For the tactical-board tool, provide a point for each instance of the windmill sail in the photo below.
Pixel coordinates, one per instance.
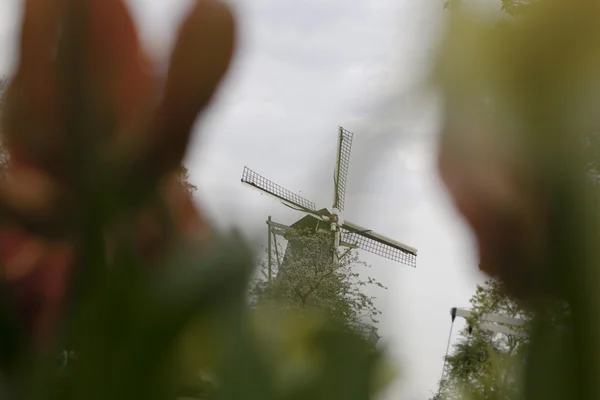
(341, 167)
(367, 240)
(263, 184)
(347, 234)
(492, 322)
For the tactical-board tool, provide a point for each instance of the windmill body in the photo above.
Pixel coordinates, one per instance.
(495, 323)
(344, 234)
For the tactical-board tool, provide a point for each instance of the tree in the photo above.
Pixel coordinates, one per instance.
(517, 7)
(484, 364)
(305, 286)
(488, 365)
(307, 279)
(511, 7)
(184, 177)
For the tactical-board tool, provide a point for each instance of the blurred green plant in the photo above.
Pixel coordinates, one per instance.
(520, 175)
(106, 262)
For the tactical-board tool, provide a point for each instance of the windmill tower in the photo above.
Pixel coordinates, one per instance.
(343, 233)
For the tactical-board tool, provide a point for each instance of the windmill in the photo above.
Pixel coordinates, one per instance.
(492, 322)
(344, 233)
(488, 322)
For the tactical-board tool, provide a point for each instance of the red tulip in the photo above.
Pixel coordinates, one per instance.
(491, 190)
(129, 119)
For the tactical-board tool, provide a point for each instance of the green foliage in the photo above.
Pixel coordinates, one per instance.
(306, 278)
(511, 7)
(127, 333)
(176, 325)
(534, 216)
(517, 7)
(484, 364)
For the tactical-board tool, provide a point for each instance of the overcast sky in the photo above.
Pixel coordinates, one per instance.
(303, 68)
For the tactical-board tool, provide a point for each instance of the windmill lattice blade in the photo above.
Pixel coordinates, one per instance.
(379, 245)
(501, 329)
(496, 318)
(251, 178)
(490, 322)
(343, 163)
(381, 249)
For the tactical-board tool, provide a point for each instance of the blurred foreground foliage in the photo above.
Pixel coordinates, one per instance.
(188, 332)
(519, 155)
(114, 285)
